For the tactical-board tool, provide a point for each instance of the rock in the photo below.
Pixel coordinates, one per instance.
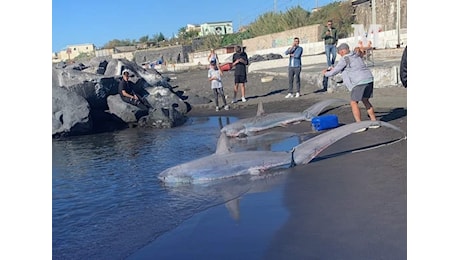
(266, 79)
(70, 114)
(80, 91)
(126, 112)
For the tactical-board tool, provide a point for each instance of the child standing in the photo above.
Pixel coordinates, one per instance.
(215, 76)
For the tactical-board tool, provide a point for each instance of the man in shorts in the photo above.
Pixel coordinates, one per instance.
(240, 60)
(359, 80)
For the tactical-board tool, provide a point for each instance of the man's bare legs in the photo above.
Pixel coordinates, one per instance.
(357, 113)
(355, 110)
(369, 108)
(235, 91)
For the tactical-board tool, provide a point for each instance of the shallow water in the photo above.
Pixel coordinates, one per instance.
(107, 200)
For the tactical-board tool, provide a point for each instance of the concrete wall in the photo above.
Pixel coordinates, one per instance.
(386, 14)
(306, 34)
(170, 54)
(123, 55)
(312, 51)
(201, 57)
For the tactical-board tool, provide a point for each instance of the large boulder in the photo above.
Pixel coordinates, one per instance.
(71, 113)
(163, 118)
(157, 117)
(126, 112)
(100, 93)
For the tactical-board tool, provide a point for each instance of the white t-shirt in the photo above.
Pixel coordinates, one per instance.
(215, 83)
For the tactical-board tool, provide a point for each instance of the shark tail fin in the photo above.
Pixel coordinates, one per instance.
(260, 109)
(223, 146)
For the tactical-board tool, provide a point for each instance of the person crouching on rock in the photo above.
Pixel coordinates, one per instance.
(127, 94)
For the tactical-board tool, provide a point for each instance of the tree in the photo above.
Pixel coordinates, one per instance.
(271, 22)
(144, 38)
(184, 37)
(158, 37)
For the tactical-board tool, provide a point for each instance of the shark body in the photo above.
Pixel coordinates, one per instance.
(263, 121)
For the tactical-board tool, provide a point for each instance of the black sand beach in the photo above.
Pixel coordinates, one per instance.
(348, 203)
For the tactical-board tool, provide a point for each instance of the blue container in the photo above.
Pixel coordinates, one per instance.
(324, 122)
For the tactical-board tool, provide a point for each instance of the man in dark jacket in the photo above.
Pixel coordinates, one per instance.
(330, 42)
(403, 68)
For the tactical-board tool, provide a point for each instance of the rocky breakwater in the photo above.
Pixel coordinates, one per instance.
(85, 98)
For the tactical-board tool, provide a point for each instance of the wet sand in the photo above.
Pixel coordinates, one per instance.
(348, 203)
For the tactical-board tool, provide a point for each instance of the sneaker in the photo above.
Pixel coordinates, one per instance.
(297, 94)
(234, 101)
(217, 108)
(243, 99)
(360, 130)
(288, 95)
(226, 107)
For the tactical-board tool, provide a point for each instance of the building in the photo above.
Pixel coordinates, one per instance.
(72, 51)
(219, 28)
(193, 28)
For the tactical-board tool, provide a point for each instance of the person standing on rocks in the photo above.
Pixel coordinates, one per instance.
(215, 76)
(295, 67)
(240, 60)
(358, 79)
(128, 95)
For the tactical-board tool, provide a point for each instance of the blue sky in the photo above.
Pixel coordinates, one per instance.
(98, 22)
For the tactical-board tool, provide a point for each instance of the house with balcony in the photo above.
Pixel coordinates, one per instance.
(219, 28)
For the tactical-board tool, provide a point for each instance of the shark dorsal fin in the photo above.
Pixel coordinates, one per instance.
(260, 109)
(223, 147)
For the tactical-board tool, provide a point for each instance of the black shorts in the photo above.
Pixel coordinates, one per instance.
(240, 79)
(362, 91)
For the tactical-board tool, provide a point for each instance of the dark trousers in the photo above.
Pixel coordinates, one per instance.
(325, 82)
(140, 102)
(294, 72)
(219, 92)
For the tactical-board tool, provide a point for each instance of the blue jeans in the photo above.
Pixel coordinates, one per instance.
(331, 50)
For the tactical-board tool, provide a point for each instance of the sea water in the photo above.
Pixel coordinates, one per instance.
(107, 200)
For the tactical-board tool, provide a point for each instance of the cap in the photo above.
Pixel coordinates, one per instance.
(125, 71)
(343, 46)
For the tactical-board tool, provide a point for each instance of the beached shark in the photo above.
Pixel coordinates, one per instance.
(225, 164)
(265, 141)
(264, 121)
